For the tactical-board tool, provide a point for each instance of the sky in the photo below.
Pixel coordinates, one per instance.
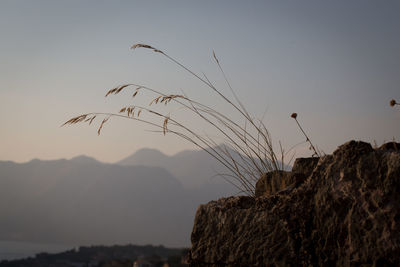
(335, 63)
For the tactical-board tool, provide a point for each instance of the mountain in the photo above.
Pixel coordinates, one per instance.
(145, 156)
(193, 168)
(147, 198)
(83, 201)
(85, 159)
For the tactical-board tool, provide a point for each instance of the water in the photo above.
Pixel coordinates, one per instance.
(12, 250)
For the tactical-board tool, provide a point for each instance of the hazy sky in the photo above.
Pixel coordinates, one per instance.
(335, 63)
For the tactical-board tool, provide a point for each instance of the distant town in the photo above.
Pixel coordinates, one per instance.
(107, 256)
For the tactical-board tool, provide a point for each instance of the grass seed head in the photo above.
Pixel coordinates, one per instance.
(141, 46)
(101, 125)
(252, 143)
(146, 46)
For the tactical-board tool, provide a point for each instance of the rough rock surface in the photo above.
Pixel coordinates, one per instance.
(282, 181)
(345, 213)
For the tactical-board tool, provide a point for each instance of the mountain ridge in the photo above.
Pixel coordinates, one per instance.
(76, 201)
(192, 167)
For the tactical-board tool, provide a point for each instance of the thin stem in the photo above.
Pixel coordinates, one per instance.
(307, 139)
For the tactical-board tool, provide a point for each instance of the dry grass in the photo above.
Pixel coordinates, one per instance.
(317, 153)
(247, 151)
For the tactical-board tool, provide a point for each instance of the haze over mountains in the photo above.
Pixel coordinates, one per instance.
(147, 198)
(192, 168)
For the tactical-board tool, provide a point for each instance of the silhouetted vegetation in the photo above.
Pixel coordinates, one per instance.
(393, 103)
(312, 147)
(104, 256)
(247, 149)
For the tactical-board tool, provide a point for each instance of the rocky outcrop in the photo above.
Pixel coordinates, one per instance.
(340, 210)
(282, 181)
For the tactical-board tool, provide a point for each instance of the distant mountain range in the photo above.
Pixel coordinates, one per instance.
(147, 198)
(192, 168)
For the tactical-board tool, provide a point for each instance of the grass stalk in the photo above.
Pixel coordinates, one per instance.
(247, 151)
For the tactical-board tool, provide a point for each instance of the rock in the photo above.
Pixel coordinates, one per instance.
(390, 146)
(346, 212)
(273, 182)
(283, 182)
(305, 165)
